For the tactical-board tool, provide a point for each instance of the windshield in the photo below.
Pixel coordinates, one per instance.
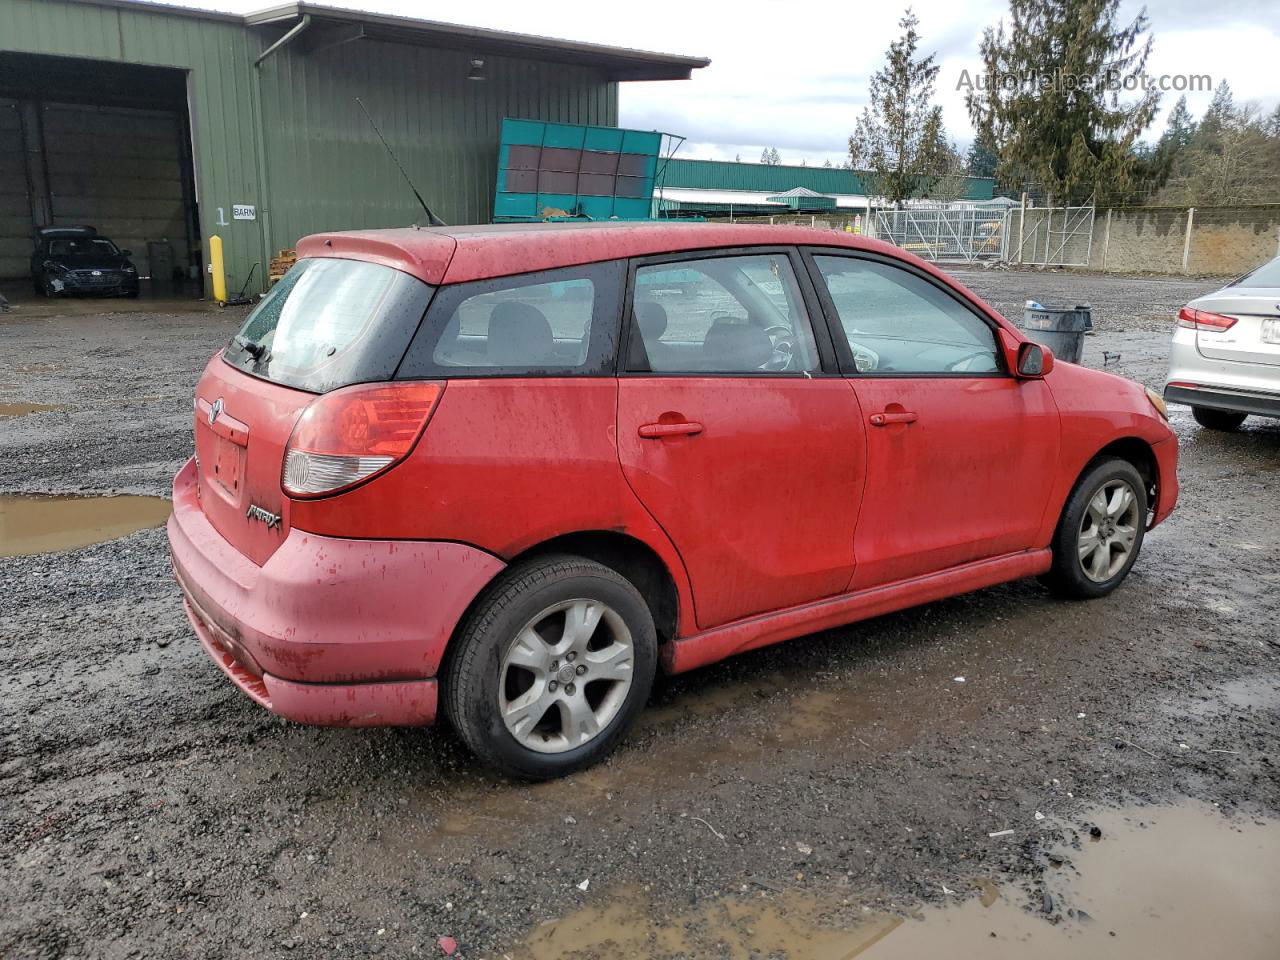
(330, 323)
(1267, 275)
(99, 247)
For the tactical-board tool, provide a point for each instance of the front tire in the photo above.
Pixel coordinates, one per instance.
(1218, 419)
(551, 667)
(1100, 533)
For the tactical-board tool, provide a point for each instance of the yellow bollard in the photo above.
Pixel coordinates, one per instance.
(218, 269)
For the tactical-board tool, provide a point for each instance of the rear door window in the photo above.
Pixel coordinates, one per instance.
(330, 323)
(551, 323)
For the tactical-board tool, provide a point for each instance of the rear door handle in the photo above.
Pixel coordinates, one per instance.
(884, 419)
(656, 431)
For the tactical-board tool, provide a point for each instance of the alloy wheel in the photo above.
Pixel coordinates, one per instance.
(1108, 531)
(566, 675)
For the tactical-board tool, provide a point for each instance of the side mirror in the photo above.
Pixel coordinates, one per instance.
(126, 253)
(1034, 361)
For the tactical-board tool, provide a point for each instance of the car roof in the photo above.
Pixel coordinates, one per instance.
(76, 233)
(459, 254)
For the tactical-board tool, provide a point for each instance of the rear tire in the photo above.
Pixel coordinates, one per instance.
(551, 667)
(1218, 419)
(1100, 533)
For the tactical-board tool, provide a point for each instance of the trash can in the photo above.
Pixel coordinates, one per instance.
(1061, 330)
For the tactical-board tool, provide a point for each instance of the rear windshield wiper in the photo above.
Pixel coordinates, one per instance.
(251, 347)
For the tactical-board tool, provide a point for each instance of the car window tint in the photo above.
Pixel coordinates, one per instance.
(532, 325)
(330, 322)
(555, 322)
(721, 315)
(897, 322)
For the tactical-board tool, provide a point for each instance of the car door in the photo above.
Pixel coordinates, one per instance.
(961, 455)
(737, 432)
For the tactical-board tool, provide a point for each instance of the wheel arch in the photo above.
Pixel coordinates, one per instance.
(624, 553)
(1138, 452)
(1130, 448)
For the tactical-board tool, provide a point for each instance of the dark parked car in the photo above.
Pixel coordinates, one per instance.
(76, 260)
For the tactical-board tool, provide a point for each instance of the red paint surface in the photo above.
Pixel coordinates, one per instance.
(241, 453)
(689, 653)
(403, 703)
(762, 501)
(778, 505)
(968, 479)
(324, 610)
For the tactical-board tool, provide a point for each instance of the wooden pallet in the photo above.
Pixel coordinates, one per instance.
(280, 264)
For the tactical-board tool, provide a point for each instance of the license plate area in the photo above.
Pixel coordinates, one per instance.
(1271, 330)
(228, 465)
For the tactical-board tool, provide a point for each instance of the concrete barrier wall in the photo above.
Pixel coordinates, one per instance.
(1223, 241)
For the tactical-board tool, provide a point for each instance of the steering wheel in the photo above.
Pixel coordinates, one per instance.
(958, 365)
(784, 348)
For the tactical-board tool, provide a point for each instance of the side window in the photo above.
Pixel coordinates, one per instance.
(896, 322)
(555, 322)
(739, 314)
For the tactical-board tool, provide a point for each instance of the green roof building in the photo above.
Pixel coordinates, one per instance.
(718, 188)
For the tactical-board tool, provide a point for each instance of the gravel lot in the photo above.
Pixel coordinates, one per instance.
(149, 809)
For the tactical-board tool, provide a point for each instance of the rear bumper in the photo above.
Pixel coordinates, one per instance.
(1236, 401)
(328, 631)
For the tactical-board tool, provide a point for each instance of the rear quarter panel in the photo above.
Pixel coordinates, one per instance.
(504, 465)
(1097, 409)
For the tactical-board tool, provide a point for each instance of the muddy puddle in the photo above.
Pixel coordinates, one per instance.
(10, 411)
(46, 524)
(1170, 882)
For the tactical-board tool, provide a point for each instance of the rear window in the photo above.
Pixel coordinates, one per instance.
(1267, 275)
(551, 323)
(330, 323)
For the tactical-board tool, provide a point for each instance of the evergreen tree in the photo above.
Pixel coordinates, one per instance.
(899, 138)
(1049, 99)
(1169, 156)
(982, 159)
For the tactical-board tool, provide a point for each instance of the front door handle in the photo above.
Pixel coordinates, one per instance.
(656, 431)
(897, 416)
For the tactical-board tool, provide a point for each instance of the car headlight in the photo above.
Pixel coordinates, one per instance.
(129, 268)
(1157, 401)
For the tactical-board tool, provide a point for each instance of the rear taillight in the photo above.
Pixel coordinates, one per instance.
(346, 437)
(1203, 320)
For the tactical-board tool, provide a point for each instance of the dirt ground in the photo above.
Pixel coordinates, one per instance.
(765, 807)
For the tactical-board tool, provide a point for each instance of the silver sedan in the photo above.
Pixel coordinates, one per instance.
(1225, 361)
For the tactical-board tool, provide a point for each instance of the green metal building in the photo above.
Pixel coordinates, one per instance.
(162, 126)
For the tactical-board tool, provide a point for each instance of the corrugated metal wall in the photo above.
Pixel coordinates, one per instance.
(326, 168)
(15, 207)
(319, 165)
(119, 170)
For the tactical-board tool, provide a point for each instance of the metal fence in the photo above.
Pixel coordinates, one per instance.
(1050, 236)
(942, 234)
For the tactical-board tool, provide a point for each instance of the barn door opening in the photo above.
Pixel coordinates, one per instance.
(104, 145)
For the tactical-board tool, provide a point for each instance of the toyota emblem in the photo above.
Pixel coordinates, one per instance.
(215, 411)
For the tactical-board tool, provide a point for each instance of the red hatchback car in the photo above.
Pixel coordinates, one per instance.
(518, 469)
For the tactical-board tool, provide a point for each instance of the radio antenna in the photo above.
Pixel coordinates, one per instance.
(432, 219)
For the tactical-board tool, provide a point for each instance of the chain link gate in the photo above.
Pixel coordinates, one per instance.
(942, 234)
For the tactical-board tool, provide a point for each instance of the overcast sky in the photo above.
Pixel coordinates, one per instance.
(794, 75)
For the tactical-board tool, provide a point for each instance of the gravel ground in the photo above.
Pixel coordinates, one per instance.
(149, 809)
